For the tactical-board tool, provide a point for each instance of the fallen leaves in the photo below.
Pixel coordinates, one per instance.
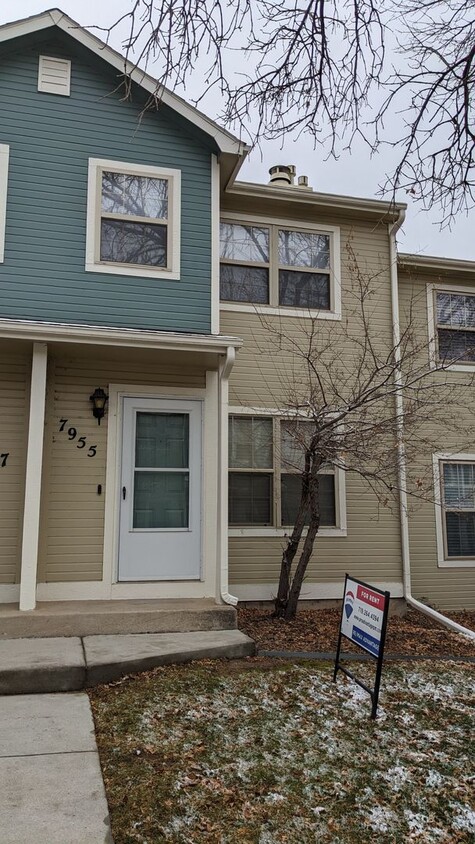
(316, 630)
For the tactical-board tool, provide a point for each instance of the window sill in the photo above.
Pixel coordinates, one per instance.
(281, 532)
(245, 307)
(462, 563)
(139, 272)
(454, 367)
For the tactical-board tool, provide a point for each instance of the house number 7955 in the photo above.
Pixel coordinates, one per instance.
(73, 435)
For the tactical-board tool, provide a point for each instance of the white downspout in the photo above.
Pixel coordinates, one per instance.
(224, 373)
(402, 469)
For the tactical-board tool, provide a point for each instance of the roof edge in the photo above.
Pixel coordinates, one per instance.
(433, 262)
(295, 194)
(225, 140)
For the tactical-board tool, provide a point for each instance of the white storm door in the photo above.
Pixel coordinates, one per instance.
(160, 492)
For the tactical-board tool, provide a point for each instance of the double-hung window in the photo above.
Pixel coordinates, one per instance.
(266, 458)
(133, 219)
(455, 325)
(289, 267)
(293, 439)
(457, 496)
(251, 463)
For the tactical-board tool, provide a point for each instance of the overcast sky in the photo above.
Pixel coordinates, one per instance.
(354, 174)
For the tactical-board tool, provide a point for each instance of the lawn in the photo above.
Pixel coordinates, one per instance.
(263, 752)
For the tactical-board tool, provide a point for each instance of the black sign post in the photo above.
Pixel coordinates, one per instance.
(364, 619)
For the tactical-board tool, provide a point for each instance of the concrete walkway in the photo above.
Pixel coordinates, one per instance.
(51, 788)
(68, 664)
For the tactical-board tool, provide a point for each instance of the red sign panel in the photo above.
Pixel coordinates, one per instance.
(367, 596)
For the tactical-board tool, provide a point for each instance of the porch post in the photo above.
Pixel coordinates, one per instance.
(34, 462)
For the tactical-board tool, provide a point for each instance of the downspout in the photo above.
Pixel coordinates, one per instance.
(224, 373)
(402, 465)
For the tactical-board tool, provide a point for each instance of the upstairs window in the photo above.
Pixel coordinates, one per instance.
(133, 220)
(301, 254)
(289, 268)
(455, 323)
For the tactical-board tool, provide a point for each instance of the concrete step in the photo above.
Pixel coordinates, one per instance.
(96, 618)
(29, 666)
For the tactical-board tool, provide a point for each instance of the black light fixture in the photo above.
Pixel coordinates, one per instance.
(99, 400)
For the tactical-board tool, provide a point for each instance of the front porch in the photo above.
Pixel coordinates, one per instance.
(94, 618)
(108, 528)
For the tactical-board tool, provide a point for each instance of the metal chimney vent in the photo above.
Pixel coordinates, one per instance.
(282, 175)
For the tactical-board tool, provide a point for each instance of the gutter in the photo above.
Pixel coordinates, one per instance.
(223, 550)
(401, 449)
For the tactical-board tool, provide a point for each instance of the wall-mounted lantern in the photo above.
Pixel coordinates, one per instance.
(99, 401)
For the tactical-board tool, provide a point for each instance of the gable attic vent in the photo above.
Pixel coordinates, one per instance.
(54, 76)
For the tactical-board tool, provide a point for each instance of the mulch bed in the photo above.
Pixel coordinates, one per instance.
(317, 630)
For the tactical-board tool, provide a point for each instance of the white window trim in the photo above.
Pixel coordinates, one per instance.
(340, 488)
(93, 226)
(4, 159)
(442, 560)
(335, 269)
(432, 325)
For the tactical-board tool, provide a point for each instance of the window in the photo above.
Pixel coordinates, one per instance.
(251, 478)
(455, 322)
(458, 502)
(133, 220)
(293, 439)
(4, 156)
(265, 462)
(281, 266)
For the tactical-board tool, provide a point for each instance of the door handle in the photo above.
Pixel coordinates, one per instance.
(124, 492)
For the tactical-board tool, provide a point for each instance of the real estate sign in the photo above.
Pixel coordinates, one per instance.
(363, 615)
(364, 618)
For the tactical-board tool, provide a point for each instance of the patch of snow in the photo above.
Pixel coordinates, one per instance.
(416, 821)
(433, 779)
(465, 819)
(381, 819)
(396, 777)
(274, 797)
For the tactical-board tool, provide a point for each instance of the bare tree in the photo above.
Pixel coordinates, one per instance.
(319, 66)
(340, 412)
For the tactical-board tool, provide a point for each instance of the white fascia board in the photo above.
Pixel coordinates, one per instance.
(337, 201)
(35, 23)
(407, 262)
(225, 141)
(104, 336)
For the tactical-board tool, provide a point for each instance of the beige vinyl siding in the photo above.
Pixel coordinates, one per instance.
(261, 378)
(14, 393)
(72, 530)
(370, 551)
(452, 587)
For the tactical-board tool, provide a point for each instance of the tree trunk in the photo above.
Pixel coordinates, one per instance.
(288, 556)
(296, 586)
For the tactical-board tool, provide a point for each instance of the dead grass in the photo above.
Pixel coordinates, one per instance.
(210, 753)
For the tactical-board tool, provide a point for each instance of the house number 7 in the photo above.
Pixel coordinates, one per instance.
(3, 460)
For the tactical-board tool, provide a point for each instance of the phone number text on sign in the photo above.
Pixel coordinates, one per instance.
(362, 620)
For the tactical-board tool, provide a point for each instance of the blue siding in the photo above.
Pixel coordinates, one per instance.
(51, 139)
